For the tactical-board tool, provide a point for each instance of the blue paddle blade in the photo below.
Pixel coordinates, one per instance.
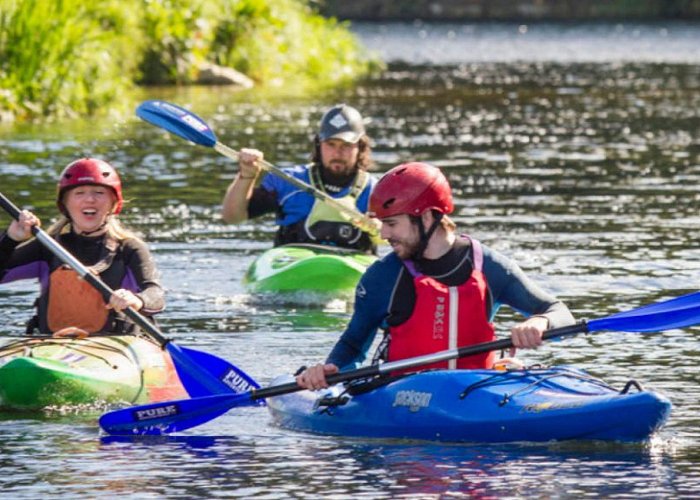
(177, 120)
(203, 374)
(171, 416)
(235, 380)
(680, 312)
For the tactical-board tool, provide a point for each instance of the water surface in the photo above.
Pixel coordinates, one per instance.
(573, 149)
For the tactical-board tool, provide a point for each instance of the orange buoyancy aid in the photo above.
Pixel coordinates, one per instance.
(74, 302)
(445, 317)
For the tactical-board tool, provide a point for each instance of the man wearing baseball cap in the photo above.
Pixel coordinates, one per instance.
(338, 168)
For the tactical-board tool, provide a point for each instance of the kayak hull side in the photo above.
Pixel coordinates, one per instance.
(306, 268)
(40, 373)
(533, 406)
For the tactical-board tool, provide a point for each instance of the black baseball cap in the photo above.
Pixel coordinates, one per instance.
(342, 122)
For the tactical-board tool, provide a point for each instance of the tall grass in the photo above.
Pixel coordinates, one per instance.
(178, 39)
(77, 57)
(286, 42)
(57, 57)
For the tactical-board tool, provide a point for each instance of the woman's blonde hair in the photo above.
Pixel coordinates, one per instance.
(115, 228)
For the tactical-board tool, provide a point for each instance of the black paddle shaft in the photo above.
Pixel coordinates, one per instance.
(83, 271)
(374, 370)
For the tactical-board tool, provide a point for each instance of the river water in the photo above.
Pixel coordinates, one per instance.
(575, 149)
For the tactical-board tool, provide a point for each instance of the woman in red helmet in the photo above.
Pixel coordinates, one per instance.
(436, 290)
(89, 198)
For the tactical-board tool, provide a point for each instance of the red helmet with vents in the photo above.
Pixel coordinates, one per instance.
(411, 188)
(90, 171)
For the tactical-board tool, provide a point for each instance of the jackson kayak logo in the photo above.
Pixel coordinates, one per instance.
(414, 400)
(159, 412)
(236, 382)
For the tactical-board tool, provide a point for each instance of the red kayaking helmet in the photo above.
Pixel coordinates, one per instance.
(90, 171)
(411, 188)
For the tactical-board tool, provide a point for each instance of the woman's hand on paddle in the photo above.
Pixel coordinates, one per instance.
(122, 298)
(314, 377)
(528, 334)
(21, 229)
(249, 163)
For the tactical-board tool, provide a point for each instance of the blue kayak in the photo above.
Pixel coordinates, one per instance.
(558, 403)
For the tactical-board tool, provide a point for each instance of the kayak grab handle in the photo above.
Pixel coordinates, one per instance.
(630, 384)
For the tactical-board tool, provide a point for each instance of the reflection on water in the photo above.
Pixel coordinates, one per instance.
(445, 43)
(311, 466)
(584, 169)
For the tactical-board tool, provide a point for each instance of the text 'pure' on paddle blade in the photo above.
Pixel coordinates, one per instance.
(172, 416)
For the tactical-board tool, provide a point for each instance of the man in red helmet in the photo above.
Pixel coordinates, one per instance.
(436, 290)
(89, 198)
(338, 168)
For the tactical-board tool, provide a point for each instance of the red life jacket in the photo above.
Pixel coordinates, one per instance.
(445, 317)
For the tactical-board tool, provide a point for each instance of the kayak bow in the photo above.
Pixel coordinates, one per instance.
(39, 373)
(303, 267)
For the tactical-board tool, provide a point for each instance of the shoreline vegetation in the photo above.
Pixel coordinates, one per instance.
(70, 58)
(512, 10)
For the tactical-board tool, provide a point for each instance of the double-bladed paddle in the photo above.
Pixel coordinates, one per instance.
(201, 373)
(172, 416)
(189, 126)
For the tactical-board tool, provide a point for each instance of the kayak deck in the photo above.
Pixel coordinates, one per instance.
(303, 267)
(557, 403)
(47, 372)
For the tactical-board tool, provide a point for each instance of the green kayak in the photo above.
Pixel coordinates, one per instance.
(303, 267)
(49, 372)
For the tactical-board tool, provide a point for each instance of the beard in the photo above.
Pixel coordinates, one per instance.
(407, 248)
(338, 180)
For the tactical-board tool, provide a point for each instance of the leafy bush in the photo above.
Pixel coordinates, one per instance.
(59, 57)
(176, 33)
(284, 42)
(78, 57)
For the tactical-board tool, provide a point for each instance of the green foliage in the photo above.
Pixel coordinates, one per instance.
(77, 57)
(284, 42)
(57, 59)
(177, 40)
